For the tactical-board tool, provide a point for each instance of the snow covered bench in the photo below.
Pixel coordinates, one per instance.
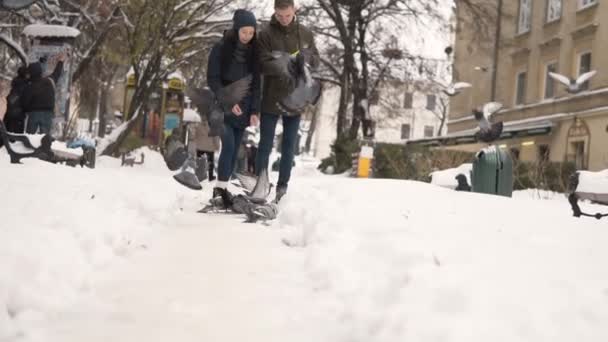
(43, 147)
(458, 178)
(591, 186)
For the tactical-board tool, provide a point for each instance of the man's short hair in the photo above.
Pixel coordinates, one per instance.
(282, 4)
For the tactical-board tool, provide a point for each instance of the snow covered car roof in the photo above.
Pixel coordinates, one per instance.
(40, 30)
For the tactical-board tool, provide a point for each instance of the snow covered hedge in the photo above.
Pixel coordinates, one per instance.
(415, 162)
(551, 176)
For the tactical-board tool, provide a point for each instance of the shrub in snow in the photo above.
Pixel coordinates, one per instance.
(415, 162)
(552, 176)
(341, 158)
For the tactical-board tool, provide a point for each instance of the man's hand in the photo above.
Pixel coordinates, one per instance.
(254, 121)
(236, 110)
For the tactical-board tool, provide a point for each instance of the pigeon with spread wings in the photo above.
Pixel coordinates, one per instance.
(215, 105)
(488, 132)
(298, 72)
(455, 88)
(573, 86)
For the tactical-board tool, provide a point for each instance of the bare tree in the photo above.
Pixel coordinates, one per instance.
(358, 51)
(162, 36)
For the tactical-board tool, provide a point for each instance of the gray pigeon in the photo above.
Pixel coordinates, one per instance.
(307, 90)
(455, 88)
(215, 105)
(488, 132)
(573, 86)
(255, 187)
(253, 204)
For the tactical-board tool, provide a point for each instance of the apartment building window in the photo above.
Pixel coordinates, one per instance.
(586, 3)
(428, 131)
(554, 10)
(520, 88)
(525, 16)
(405, 131)
(550, 82)
(584, 65)
(431, 102)
(408, 100)
(578, 157)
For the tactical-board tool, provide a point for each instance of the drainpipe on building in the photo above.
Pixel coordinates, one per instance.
(496, 50)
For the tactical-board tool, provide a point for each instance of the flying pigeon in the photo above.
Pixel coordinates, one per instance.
(307, 90)
(455, 88)
(573, 86)
(215, 105)
(488, 132)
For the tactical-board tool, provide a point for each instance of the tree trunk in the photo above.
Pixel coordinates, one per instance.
(311, 130)
(343, 106)
(358, 111)
(443, 120)
(103, 114)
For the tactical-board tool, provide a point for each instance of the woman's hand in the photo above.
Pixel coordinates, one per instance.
(254, 121)
(236, 110)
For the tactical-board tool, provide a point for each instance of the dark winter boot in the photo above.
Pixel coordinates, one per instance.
(225, 195)
(211, 166)
(281, 191)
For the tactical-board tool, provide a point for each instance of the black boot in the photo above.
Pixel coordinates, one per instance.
(225, 195)
(281, 191)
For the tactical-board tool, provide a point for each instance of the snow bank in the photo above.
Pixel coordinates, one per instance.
(406, 261)
(60, 224)
(447, 178)
(593, 182)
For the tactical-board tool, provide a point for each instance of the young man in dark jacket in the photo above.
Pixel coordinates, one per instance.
(38, 99)
(232, 59)
(284, 33)
(15, 117)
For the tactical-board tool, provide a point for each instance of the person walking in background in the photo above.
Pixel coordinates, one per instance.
(232, 59)
(206, 146)
(38, 100)
(14, 118)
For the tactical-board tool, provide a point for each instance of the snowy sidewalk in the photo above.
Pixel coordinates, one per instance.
(198, 282)
(121, 255)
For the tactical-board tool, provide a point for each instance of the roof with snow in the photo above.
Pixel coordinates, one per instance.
(177, 75)
(40, 30)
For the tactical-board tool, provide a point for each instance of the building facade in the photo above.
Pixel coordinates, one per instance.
(542, 120)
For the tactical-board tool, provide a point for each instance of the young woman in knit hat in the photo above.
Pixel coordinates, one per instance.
(232, 59)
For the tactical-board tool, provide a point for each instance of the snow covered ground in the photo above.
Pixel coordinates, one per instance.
(119, 254)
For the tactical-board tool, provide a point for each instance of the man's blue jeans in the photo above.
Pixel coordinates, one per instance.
(268, 125)
(39, 120)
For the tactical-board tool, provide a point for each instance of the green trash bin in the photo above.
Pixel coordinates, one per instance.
(492, 172)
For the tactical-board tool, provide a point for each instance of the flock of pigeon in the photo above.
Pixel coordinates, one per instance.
(307, 91)
(253, 202)
(490, 132)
